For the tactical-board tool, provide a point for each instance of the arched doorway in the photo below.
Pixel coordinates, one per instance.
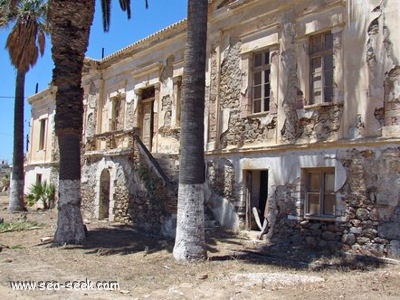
(104, 203)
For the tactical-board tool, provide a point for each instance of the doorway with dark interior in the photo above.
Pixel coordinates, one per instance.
(104, 203)
(256, 186)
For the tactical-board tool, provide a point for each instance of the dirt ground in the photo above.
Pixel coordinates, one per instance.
(237, 268)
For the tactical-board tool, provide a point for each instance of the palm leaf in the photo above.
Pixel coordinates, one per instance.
(106, 8)
(126, 6)
(42, 42)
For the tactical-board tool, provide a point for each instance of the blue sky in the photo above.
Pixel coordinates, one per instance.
(123, 32)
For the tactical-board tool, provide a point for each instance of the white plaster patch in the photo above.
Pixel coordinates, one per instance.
(69, 191)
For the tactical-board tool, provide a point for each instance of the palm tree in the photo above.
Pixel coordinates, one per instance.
(70, 26)
(25, 41)
(190, 240)
(70, 23)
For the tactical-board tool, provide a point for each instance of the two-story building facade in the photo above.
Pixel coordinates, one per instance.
(41, 161)
(302, 123)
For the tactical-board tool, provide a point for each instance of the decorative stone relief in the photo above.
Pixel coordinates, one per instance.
(130, 112)
(168, 69)
(90, 125)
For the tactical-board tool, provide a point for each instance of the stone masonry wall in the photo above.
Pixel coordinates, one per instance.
(121, 183)
(371, 220)
(229, 92)
(138, 195)
(373, 201)
(153, 200)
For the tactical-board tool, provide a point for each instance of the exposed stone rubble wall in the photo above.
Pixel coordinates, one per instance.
(367, 212)
(319, 123)
(229, 93)
(137, 195)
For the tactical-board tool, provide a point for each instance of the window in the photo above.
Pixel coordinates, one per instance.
(38, 178)
(321, 68)
(115, 113)
(320, 195)
(261, 82)
(42, 134)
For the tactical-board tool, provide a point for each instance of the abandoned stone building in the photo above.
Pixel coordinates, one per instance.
(302, 123)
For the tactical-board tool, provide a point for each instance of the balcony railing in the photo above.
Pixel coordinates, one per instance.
(111, 142)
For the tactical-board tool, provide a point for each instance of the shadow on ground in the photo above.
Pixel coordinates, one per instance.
(300, 257)
(121, 240)
(225, 246)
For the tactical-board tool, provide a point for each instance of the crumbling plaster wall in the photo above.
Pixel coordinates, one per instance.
(168, 131)
(372, 195)
(371, 57)
(137, 195)
(231, 123)
(227, 184)
(367, 190)
(366, 77)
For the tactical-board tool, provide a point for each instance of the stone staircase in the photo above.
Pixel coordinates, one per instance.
(169, 163)
(167, 168)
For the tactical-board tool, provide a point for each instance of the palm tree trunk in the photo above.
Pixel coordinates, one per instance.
(17, 180)
(71, 21)
(190, 240)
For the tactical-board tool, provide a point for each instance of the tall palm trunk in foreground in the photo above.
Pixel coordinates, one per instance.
(17, 179)
(190, 240)
(70, 22)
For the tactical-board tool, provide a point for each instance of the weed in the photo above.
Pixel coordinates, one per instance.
(18, 226)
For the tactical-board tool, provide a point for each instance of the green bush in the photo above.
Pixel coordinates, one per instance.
(41, 192)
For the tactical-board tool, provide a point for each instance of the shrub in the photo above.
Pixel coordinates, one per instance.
(41, 192)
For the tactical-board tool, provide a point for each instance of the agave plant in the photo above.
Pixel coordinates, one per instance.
(41, 192)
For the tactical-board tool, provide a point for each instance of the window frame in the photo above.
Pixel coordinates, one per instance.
(262, 69)
(321, 192)
(117, 112)
(323, 53)
(42, 134)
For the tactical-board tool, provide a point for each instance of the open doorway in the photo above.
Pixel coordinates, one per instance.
(256, 186)
(104, 203)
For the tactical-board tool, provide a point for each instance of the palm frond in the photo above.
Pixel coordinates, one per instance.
(126, 6)
(27, 38)
(106, 8)
(41, 42)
